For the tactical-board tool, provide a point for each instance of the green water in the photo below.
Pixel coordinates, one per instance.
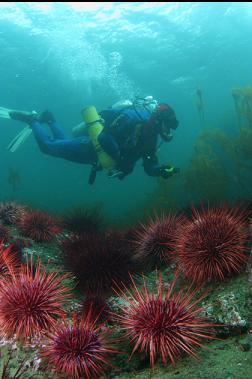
(63, 57)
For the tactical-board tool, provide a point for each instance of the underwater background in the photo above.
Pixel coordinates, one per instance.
(158, 270)
(65, 56)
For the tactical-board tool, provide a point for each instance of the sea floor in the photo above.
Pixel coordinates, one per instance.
(229, 357)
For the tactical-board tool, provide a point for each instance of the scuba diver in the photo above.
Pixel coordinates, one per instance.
(114, 140)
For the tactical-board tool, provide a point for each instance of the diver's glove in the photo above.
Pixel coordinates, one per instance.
(166, 171)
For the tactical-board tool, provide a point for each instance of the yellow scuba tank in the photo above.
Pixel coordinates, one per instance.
(94, 126)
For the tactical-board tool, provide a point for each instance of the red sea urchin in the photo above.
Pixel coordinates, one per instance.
(31, 301)
(81, 220)
(18, 244)
(77, 349)
(213, 244)
(9, 261)
(155, 239)
(97, 307)
(38, 226)
(163, 323)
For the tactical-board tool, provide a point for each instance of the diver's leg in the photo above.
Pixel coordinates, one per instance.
(48, 118)
(57, 131)
(42, 138)
(79, 150)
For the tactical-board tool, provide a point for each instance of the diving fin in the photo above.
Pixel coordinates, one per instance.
(4, 112)
(22, 136)
(19, 139)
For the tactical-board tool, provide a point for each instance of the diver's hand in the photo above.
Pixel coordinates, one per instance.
(166, 171)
